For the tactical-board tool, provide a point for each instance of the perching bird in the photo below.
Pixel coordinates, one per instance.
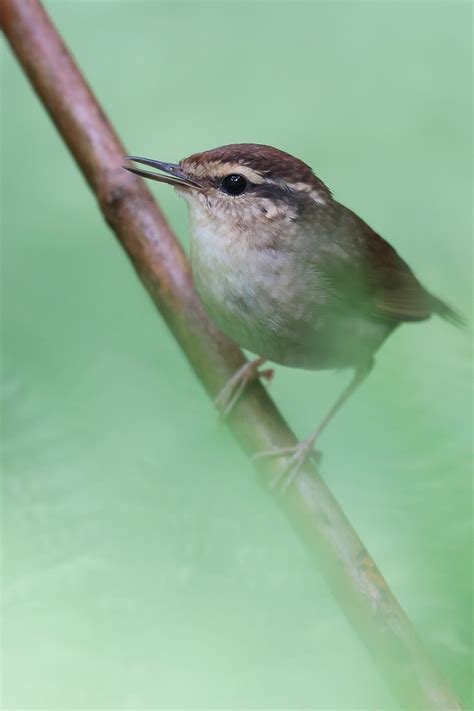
(287, 272)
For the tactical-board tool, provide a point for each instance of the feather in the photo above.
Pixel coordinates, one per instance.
(394, 292)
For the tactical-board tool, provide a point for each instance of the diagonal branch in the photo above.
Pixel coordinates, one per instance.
(132, 214)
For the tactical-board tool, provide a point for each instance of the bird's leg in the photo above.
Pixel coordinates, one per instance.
(304, 449)
(235, 386)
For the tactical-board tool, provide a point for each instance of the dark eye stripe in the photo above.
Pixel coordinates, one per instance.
(236, 184)
(272, 191)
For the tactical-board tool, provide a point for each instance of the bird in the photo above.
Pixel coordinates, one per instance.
(288, 273)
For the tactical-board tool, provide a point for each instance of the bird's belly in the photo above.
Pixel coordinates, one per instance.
(280, 313)
(254, 304)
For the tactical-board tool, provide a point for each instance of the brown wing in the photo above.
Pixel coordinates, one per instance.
(385, 284)
(396, 294)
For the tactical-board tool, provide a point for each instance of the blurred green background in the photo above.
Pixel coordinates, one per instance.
(143, 565)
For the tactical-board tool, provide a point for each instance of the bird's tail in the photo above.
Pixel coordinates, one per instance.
(446, 312)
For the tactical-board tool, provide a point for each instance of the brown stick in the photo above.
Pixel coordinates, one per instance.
(155, 253)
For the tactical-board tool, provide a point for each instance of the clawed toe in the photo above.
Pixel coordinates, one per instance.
(234, 387)
(299, 453)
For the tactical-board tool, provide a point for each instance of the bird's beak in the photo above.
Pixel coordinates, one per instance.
(172, 173)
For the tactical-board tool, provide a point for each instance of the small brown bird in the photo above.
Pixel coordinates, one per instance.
(287, 272)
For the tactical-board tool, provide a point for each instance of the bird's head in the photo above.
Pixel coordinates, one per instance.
(246, 184)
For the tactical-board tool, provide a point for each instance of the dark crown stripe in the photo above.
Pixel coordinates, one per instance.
(269, 162)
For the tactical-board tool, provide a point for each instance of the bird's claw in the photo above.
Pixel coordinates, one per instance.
(300, 453)
(235, 386)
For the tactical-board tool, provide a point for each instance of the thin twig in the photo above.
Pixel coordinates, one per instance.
(133, 215)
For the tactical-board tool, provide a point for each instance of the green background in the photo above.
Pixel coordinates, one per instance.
(143, 565)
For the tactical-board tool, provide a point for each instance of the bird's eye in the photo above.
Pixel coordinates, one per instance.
(234, 184)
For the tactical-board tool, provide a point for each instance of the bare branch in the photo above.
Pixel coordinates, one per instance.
(131, 212)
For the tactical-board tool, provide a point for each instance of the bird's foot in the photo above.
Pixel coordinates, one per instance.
(235, 386)
(298, 455)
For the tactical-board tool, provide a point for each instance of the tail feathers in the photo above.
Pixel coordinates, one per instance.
(446, 312)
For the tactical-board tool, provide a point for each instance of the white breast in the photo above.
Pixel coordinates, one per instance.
(251, 292)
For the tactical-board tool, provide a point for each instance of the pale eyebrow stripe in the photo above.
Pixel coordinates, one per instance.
(218, 169)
